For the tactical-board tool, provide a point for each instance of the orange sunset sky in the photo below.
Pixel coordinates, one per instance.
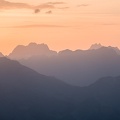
(73, 24)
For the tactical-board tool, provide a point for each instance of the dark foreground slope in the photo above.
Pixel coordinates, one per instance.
(27, 95)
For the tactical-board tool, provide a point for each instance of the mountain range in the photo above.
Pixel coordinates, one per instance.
(28, 95)
(98, 46)
(95, 46)
(1, 55)
(32, 49)
(79, 67)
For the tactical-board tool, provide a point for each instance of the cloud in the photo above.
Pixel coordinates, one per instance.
(36, 11)
(36, 26)
(49, 5)
(13, 5)
(45, 6)
(82, 5)
(55, 3)
(49, 12)
(63, 8)
(109, 24)
(4, 4)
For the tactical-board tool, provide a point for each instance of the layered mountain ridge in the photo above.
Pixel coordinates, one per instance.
(79, 67)
(28, 95)
(32, 49)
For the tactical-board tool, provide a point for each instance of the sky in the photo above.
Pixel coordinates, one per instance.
(61, 24)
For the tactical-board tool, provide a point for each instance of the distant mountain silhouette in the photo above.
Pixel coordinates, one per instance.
(98, 46)
(95, 46)
(116, 49)
(80, 67)
(27, 95)
(33, 49)
(1, 55)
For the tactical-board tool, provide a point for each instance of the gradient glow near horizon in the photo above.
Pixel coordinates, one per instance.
(72, 25)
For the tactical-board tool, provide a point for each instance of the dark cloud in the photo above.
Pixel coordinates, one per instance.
(37, 11)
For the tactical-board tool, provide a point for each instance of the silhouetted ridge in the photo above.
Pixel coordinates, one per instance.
(27, 95)
(39, 46)
(95, 46)
(98, 46)
(116, 49)
(32, 49)
(79, 67)
(107, 82)
(64, 52)
(1, 55)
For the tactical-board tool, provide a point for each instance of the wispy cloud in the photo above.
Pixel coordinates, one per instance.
(36, 26)
(55, 3)
(109, 24)
(45, 6)
(49, 12)
(49, 5)
(63, 8)
(82, 5)
(13, 5)
(4, 4)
